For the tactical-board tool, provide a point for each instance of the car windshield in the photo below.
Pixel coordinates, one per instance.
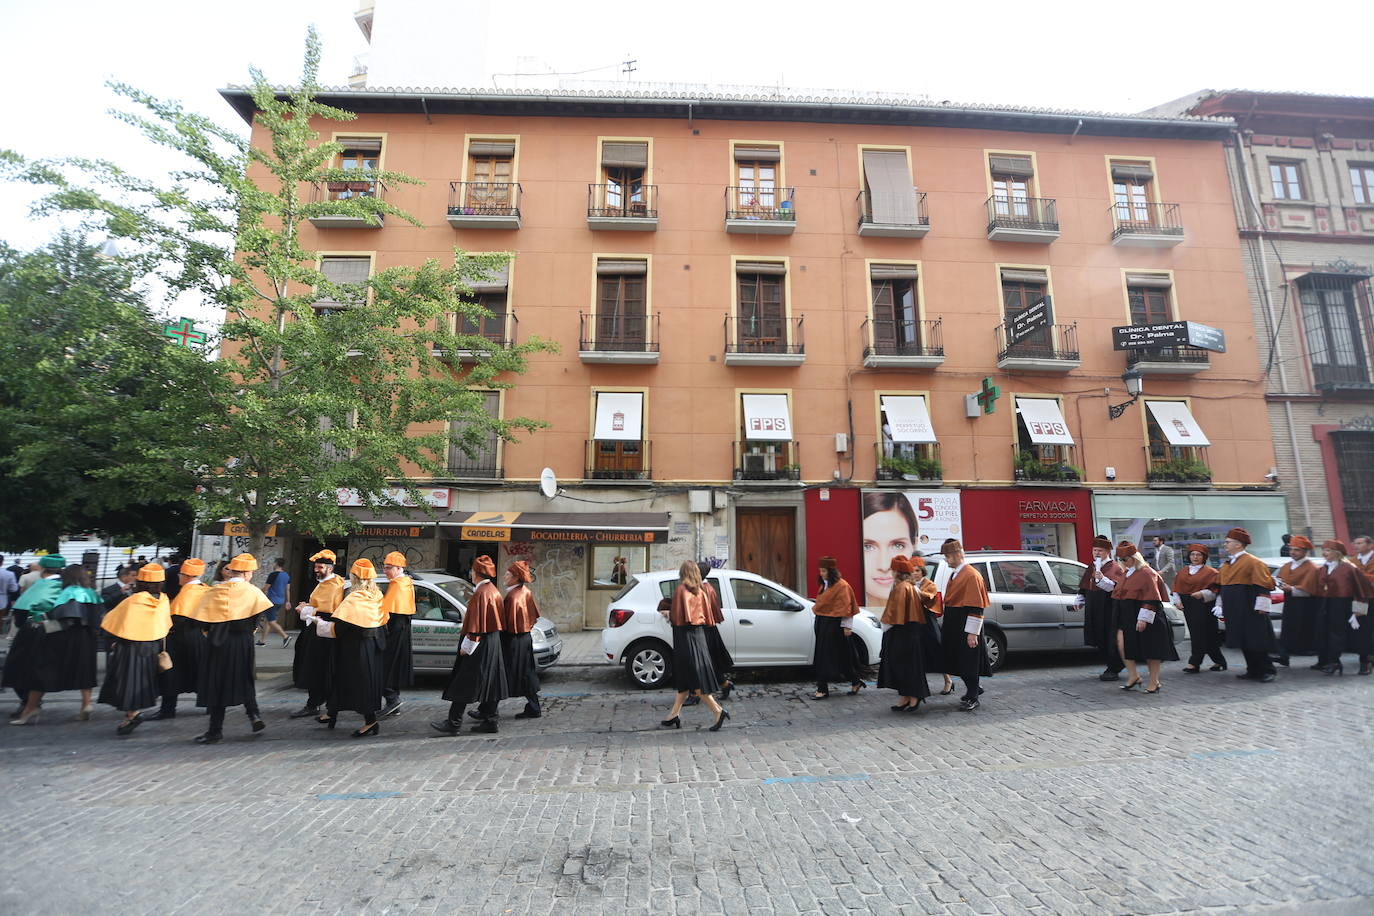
(626, 588)
(460, 589)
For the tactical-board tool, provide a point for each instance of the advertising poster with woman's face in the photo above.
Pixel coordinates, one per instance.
(898, 523)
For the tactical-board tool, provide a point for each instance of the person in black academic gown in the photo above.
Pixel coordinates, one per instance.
(228, 611)
(358, 627)
(479, 670)
(1244, 604)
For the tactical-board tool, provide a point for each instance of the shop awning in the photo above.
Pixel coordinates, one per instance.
(581, 527)
(908, 419)
(767, 418)
(619, 416)
(1177, 423)
(1044, 421)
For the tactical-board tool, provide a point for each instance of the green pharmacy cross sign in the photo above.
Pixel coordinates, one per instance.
(183, 333)
(989, 395)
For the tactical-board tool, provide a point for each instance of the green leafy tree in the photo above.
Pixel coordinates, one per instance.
(92, 402)
(360, 394)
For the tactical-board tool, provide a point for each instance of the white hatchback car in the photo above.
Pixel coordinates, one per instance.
(766, 625)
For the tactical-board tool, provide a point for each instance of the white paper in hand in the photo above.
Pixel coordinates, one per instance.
(469, 645)
(1262, 604)
(324, 628)
(973, 626)
(1146, 615)
(1079, 603)
(1360, 608)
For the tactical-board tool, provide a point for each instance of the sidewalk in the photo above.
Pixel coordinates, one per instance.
(580, 648)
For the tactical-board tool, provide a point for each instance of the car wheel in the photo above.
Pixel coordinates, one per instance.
(997, 649)
(649, 664)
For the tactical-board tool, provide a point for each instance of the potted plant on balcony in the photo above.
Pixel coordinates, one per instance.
(1179, 470)
(916, 467)
(1029, 466)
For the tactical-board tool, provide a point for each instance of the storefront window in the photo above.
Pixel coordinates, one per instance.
(1183, 520)
(612, 565)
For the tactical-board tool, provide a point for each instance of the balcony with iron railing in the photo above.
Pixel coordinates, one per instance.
(1022, 219)
(632, 208)
(899, 462)
(618, 338)
(1045, 465)
(760, 211)
(880, 215)
(756, 341)
(481, 466)
(323, 192)
(483, 205)
(1050, 349)
(498, 331)
(903, 343)
(1146, 225)
(617, 460)
(776, 462)
(1168, 360)
(1176, 467)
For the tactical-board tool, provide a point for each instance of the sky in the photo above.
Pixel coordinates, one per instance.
(1069, 54)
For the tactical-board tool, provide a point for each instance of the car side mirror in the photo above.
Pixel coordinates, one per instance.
(451, 614)
(792, 604)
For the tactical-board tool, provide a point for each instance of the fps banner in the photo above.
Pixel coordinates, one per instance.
(904, 523)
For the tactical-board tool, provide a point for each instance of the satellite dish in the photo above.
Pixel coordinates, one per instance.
(548, 483)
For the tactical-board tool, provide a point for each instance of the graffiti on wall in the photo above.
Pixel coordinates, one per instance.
(420, 553)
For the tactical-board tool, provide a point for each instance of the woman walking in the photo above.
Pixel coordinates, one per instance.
(398, 608)
(228, 611)
(721, 659)
(1346, 593)
(1143, 631)
(479, 671)
(1195, 590)
(359, 631)
(185, 641)
(137, 627)
(909, 605)
(517, 646)
(1303, 630)
(28, 664)
(835, 609)
(965, 601)
(693, 673)
(59, 652)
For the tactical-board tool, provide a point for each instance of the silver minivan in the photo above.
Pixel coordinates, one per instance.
(1032, 597)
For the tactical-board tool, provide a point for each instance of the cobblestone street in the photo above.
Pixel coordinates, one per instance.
(1061, 795)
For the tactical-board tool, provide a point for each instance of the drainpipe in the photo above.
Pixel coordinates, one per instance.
(1254, 211)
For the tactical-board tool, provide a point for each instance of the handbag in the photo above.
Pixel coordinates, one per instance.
(164, 659)
(51, 626)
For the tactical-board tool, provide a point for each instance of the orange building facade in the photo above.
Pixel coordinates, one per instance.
(768, 310)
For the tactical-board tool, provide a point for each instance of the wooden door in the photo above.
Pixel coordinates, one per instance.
(766, 543)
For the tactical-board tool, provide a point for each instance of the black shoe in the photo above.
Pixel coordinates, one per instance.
(1333, 668)
(306, 710)
(1217, 668)
(969, 705)
(480, 717)
(209, 738)
(258, 725)
(446, 726)
(1109, 676)
(725, 691)
(128, 725)
(1319, 666)
(156, 716)
(674, 722)
(1247, 676)
(692, 701)
(1267, 678)
(720, 720)
(1280, 660)
(367, 731)
(486, 727)
(528, 713)
(391, 709)
(329, 721)
(1192, 669)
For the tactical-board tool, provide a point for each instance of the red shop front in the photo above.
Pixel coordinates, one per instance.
(1055, 521)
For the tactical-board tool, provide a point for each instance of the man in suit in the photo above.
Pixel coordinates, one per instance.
(120, 588)
(1164, 560)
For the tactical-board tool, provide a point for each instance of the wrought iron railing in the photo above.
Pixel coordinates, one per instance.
(759, 203)
(1034, 462)
(483, 198)
(483, 465)
(1165, 463)
(500, 329)
(1179, 355)
(758, 460)
(908, 461)
(903, 337)
(756, 334)
(867, 199)
(347, 190)
(617, 459)
(618, 201)
(1145, 218)
(1057, 342)
(621, 333)
(1039, 213)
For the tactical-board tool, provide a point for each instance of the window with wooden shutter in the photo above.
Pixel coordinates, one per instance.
(1131, 192)
(491, 163)
(624, 167)
(485, 444)
(620, 311)
(1362, 182)
(342, 270)
(359, 155)
(1286, 180)
(895, 326)
(887, 181)
(1020, 290)
(761, 325)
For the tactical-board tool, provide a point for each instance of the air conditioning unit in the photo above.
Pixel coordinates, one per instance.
(755, 464)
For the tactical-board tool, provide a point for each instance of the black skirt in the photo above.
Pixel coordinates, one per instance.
(1204, 630)
(186, 645)
(358, 668)
(932, 647)
(834, 656)
(721, 659)
(34, 660)
(74, 649)
(1156, 641)
(1303, 628)
(903, 666)
(1246, 628)
(517, 654)
(481, 676)
(692, 667)
(954, 644)
(1099, 620)
(1342, 634)
(317, 663)
(130, 674)
(398, 667)
(226, 677)
(299, 657)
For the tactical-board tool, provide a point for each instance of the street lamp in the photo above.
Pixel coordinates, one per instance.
(1135, 384)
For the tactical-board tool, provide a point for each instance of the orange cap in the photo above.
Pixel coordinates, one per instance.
(195, 566)
(363, 569)
(324, 556)
(244, 562)
(151, 573)
(395, 558)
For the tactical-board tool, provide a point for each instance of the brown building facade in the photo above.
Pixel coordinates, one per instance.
(767, 307)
